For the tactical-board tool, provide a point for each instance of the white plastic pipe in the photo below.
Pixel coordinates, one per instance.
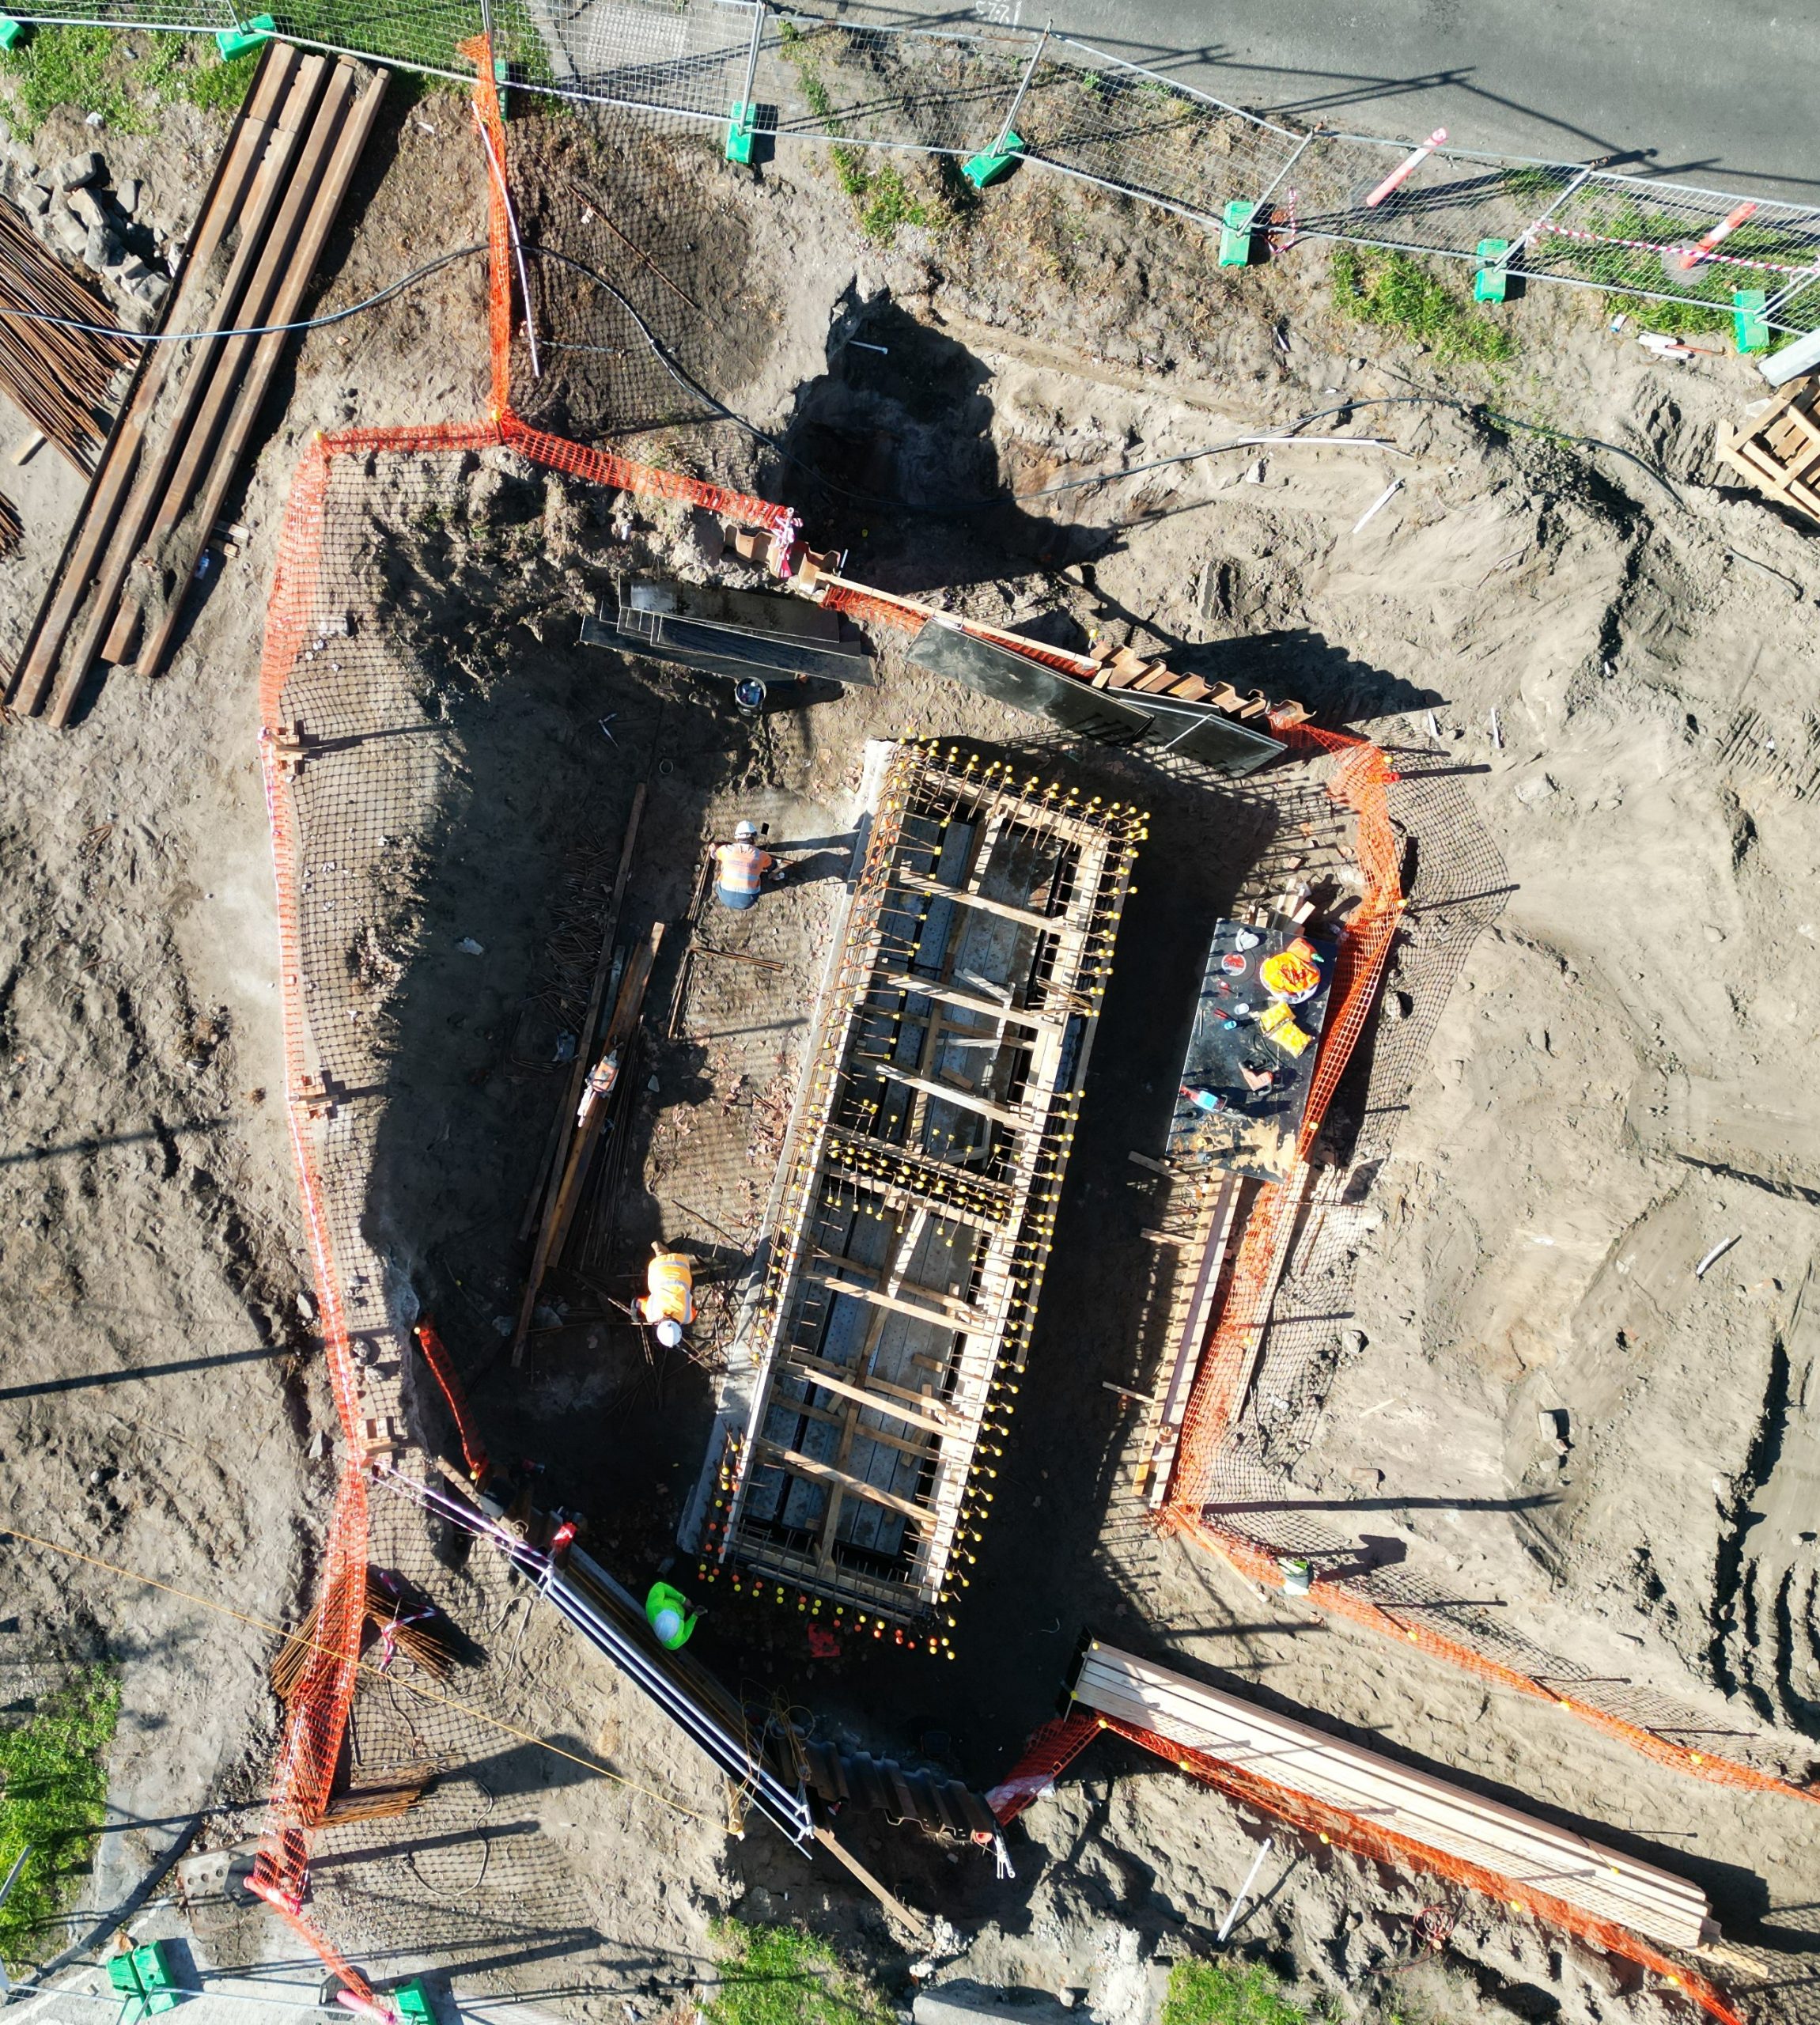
(1404, 170)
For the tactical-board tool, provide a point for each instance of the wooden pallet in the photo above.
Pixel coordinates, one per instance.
(1443, 1817)
(1779, 451)
(117, 593)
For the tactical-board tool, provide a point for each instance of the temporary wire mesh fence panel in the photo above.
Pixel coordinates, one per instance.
(952, 90)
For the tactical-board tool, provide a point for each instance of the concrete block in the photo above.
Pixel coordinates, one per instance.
(964, 2003)
(80, 170)
(85, 205)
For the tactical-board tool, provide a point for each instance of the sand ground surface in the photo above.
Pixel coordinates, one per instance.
(1595, 660)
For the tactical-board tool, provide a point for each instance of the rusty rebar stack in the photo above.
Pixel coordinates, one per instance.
(59, 378)
(10, 527)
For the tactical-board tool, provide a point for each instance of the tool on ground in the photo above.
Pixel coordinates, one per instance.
(1244, 1890)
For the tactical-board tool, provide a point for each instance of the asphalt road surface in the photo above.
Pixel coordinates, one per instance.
(1727, 97)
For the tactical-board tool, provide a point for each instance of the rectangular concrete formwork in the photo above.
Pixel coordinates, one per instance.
(916, 1216)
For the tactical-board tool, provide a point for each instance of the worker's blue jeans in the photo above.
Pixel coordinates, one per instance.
(728, 897)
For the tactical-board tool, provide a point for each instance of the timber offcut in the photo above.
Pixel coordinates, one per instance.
(921, 1185)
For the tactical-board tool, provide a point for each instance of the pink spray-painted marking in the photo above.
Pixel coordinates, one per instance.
(1722, 231)
(1404, 170)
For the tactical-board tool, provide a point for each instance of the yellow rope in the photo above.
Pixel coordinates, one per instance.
(365, 1667)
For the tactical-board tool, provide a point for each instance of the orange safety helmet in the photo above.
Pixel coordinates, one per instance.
(1292, 973)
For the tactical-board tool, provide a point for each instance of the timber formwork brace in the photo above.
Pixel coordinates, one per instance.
(918, 1204)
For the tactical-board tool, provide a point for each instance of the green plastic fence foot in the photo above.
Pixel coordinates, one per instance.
(501, 77)
(10, 31)
(144, 1977)
(236, 41)
(1749, 331)
(1492, 281)
(988, 165)
(1235, 233)
(413, 2002)
(741, 131)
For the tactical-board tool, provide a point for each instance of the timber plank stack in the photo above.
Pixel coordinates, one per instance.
(164, 476)
(1445, 1819)
(1779, 451)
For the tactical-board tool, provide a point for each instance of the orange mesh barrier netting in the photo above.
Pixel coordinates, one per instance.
(1340, 1829)
(300, 620)
(1059, 1741)
(1360, 781)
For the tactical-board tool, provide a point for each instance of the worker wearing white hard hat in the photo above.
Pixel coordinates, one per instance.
(740, 868)
(667, 1303)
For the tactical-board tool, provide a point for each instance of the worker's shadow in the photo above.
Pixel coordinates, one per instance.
(820, 865)
(889, 456)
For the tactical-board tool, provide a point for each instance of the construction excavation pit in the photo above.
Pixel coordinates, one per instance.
(930, 1086)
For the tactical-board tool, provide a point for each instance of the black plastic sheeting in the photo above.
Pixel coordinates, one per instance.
(1109, 717)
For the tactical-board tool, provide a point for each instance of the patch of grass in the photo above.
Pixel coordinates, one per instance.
(881, 199)
(55, 1783)
(1395, 292)
(54, 66)
(1672, 319)
(217, 86)
(785, 1976)
(1213, 1993)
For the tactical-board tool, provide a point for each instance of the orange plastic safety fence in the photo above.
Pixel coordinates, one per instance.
(436, 1356)
(600, 467)
(873, 608)
(478, 51)
(1051, 1749)
(1343, 1830)
(1253, 1561)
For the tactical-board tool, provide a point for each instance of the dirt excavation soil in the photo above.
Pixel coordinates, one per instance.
(1594, 662)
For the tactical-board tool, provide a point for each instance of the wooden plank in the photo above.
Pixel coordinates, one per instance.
(1429, 1810)
(1018, 1120)
(107, 489)
(555, 1152)
(897, 1281)
(945, 995)
(353, 128)
(225, 374)
(928, 1404)
(967, 1319)
(799, 1465)
(172, 426)
(916, 882)
(1448, 1819)
(562, 1203)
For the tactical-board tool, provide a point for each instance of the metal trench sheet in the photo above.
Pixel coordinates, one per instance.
(951, 1060)
(1254, 1134)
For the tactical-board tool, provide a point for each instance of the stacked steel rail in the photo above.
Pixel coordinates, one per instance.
(919, 1200)
(117, 593)
(60, 378)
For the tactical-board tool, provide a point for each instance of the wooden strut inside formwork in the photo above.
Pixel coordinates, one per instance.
(915, 1227)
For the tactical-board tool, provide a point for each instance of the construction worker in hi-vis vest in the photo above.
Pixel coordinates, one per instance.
(668, 1301)
(740, 866)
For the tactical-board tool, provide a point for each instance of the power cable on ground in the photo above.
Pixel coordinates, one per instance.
(1288, 431)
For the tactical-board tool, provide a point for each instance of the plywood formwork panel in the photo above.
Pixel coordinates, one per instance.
(920, 1181)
